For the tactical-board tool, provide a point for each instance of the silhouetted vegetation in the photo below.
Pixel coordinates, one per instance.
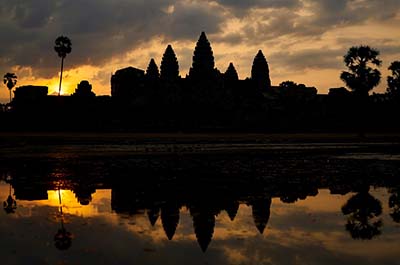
(394, 81)
(362, 78)
(394, 204)
(363, 211)
(62, 47)
(63, 238)
(10, 204)
(10, 80)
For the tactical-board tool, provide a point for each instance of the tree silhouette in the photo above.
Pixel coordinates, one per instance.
(10, 205)
(361, 77)
(394, 204)
(152, 72)
(260, 72)
(169, 65)
(10, 80)
(84, 90)
(362, 210)
(230, 73)
(203, 59)
(290, 89)
(62, 47)
(394, 80)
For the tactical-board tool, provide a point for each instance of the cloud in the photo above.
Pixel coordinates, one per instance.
(324, 58)
(105, 32)
(99, 29)
(241, 8)
(31, 14)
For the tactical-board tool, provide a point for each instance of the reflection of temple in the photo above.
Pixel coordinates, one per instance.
(153, 214)
(231, 209)
(159, 186)
(203, 223)
(261, 212)
(170, 218)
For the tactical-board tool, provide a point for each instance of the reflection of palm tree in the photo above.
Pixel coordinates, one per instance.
(63, 47)
(10, 205)
(394, 204)
(361, 209)
(63, 238)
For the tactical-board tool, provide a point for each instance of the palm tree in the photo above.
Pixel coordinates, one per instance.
(63, 238)
(362, 76)
(62, 47)
(10, 80)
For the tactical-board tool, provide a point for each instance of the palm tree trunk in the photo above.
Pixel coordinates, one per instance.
(10, 96)
(62, 67)
(61, 211)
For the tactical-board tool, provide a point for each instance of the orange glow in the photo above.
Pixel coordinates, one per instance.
(68, 199)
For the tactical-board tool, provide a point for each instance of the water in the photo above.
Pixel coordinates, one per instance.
(320, 204)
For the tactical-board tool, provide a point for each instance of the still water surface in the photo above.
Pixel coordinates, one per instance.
(275, 207)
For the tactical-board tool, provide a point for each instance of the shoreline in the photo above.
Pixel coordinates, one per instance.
(215, 136)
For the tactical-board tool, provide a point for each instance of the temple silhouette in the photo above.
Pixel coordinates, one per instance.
(158, 98)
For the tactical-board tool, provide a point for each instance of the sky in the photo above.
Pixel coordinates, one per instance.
(302, 40)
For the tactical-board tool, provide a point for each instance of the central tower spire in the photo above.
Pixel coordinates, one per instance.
(203, 59)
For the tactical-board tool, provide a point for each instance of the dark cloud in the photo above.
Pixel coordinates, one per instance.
(329, 13)
(311, 18)
(103, 29)
(99, 29)
(259, 3)
(32, 14)
(241, 8)
(187, 21)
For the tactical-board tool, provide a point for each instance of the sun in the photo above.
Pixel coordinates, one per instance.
(53, 88)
